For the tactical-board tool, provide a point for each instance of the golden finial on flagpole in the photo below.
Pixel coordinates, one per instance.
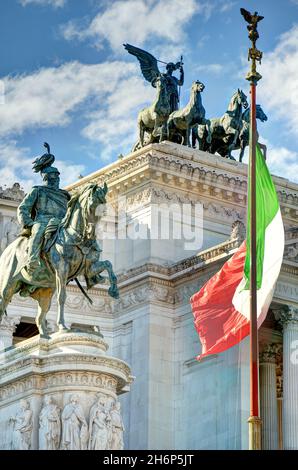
(253, 54)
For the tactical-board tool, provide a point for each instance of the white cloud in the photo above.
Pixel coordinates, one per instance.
(227, 6)
(278, 90)
(16, 166)
(210, 68)
(116, 126)
(54, 3)
(49, 96)
(281, 161)
(106, 96)
(135, 21)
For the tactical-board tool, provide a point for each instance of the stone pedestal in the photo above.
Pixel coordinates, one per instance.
(61, 393)
(268, 398)
(289, 320)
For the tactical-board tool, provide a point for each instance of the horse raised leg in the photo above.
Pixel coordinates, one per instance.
(44, 297)
(107, 266)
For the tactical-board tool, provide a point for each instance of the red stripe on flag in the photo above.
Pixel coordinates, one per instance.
(219, 325)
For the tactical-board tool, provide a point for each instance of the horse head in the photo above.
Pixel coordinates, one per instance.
(82, 206)
(159, 82)
(241, 98)
(260, 114)
(197, 87)
(238, 99)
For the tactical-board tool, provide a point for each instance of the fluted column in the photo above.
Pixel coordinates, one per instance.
(268, 397)
(279, 389)
(7, 328)
(289, 320)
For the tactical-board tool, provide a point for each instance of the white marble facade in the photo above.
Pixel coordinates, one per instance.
(176, 402)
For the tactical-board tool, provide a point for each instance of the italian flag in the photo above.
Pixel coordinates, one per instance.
(221, 307)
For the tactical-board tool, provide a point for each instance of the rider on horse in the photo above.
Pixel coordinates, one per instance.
(44, 206)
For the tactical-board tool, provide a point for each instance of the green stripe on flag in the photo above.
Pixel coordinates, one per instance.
(267, 206)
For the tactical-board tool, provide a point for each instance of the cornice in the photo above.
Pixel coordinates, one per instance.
(157, 195)
(187, 169)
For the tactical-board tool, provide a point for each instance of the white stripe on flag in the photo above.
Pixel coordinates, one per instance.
(273, 256)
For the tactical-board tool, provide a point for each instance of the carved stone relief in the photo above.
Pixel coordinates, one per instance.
(74, 426)
(70, 430)
(22, 427)
(99, 424)
(238, 230)
(117, 427)
(49, 425)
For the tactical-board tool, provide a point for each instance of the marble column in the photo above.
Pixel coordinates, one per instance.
(268, 397)
(289, 320)
(7, 328)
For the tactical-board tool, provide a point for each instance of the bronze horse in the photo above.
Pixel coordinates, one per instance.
(72, 252)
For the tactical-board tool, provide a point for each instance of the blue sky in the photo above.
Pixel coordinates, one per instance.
(68, 80)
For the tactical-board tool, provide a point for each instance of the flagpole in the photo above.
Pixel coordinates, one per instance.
(254, 420)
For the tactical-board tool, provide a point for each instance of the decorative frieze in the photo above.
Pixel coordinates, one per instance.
(158, 195)
(78, 425)
(61, 379)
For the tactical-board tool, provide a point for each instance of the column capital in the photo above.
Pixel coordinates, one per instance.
(269, 353)
(289, 316)
(7, 328)
(9, 324)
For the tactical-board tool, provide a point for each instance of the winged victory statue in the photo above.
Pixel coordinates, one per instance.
(152, 120)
